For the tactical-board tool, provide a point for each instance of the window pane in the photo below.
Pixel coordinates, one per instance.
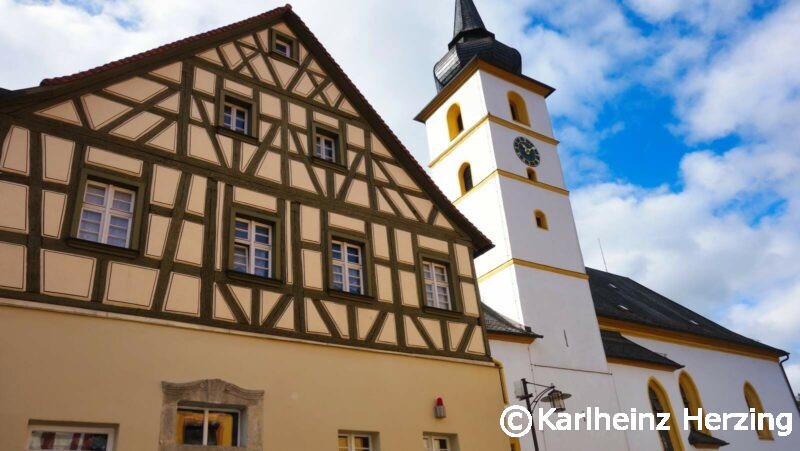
(89, 228)
(426, 270)
(429, 297)
(189, 427)
(67, 440)
(361, 443)
(336, 251)
(343, 443)
(262, 235)
(439, 272)
(242, 230)
(338, 277)
(441, 444)
(123, 201)
(353, 255)
(95, 195)
(226, 116)
(223, 428)
(240, 257)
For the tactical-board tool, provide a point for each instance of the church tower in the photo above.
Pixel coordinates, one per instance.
(494, 155)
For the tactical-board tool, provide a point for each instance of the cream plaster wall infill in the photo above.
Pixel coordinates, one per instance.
(400, 203)
(476, 345)
(338, 313)
(408, 288)
(365, 319)
(380, 242)
(383, 274)
(297, 115)
(268, 299)
(400, 176)
(167, 139)
(15, 156)
(433, 244)
(64, 111)
(137, 126)
(222, 310)
(170, 72)
(346, 222)
(165, 185)
(423, 206)
(355, 136)
(304, 86)
(67, 275)
(157, 229)
(288, 241)
(53, 210)
(204, 81)
(56, 158)
(14, 207)
(238, 88)
(231, 55)
(196, 203)
(455, 331)
(244, 298)
(286, 320)
(270, 105)
(463, 260)
(299, 176)
(262, 71)
(200, 145)
(130, 286)
(434, 330)
(101, 111)
(309, 224)
(211, 55)
(314, 322)
(325, 119)
(137, 89)
(248, 151)
(413, 336)
(114, 161)
(226, 146)
(255, 199)
(284, 71)
(13, 266)
(470, 297)
(405, 252)
(388, 333)
(319, 173)
(183, 294)
(312, 269)
(171, 103)
(190, 243)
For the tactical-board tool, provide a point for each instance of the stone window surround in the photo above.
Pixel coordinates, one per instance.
(211, 392)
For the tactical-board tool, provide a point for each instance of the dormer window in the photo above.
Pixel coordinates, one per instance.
(326, 145)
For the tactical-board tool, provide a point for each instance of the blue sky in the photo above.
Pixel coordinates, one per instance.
(678, 118)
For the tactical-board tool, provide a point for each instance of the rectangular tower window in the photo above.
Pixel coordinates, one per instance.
(436, 443)
(347, 267)
(60, 438)
(106, 214)
(437, 287)
(207, 427)
(355, 442)
(252, 249)
(235, 117)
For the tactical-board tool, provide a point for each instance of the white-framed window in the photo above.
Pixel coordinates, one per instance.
(325, 147)
(347, 267)
(62, 438)
(355, 442)
(252, 247)
(208, 426)
(436, 443)
(437, 287)
(106, 214)
(235, 117)
(283, 46)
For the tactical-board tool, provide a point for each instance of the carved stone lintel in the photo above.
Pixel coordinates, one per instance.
(211, 392)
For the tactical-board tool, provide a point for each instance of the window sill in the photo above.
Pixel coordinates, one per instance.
(245, 277)
(351, 296)
(328, 164)
(104, 248)
(237, 135)
(284, 58)
(207, 448)
(442, 312)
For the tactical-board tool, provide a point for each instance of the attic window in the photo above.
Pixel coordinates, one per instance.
(623, 307)
(284, 45)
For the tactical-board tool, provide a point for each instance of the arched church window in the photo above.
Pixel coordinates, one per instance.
(541, 219)
(691, 398)
(519, 111)
(754, 402)
(465, 177)
(455, 124)
(659, 403)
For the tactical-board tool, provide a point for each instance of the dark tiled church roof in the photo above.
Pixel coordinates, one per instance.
(620, 298)
(619, 347)
(499, 324)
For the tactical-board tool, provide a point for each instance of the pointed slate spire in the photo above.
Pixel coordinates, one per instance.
(472, 40)
(467, 21)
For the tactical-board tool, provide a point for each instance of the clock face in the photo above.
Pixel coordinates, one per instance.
(526, 151)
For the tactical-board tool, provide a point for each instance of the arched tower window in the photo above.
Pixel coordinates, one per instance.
(691, 398)
(455, 124)
(465, 178)
(754, 402)
(541, 219)
(659, 402)
(519, 111)
(532, 175)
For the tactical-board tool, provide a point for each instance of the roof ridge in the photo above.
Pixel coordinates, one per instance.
(164, 47)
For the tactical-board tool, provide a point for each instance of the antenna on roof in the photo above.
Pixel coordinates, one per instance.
(602, 254)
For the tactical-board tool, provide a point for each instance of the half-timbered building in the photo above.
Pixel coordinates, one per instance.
(219, 242)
